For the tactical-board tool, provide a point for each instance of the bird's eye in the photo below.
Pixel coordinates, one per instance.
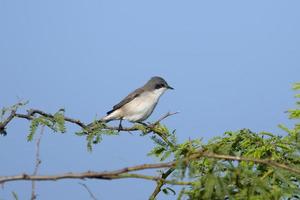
(157, 86)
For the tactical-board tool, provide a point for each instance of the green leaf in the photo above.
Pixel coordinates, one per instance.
(294, 114)
(296, 86)
(209, 187)
(165, 155)
(142, 128)
(284, 128)
(95, 135)
(267, 134)
(60, 121)
(80, 133)
(32, 129)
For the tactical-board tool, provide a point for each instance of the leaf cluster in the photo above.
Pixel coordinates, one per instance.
(227, 179)
(94, 133)
(56, 124)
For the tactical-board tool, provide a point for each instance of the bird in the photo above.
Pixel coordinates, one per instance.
(139, 104)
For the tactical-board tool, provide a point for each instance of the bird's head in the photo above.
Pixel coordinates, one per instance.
(157, 83)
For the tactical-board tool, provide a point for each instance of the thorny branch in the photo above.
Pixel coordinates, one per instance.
(30, 115)
(106, 175)
(32, 112)
(37, 162)
(123, 173)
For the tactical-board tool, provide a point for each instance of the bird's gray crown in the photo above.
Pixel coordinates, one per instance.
(156, 82)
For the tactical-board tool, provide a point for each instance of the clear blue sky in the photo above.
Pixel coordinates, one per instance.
(232, 64)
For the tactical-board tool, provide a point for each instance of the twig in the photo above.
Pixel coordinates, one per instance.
(123, 173)
(154, 178)
(168, 114)
(13, 109)
(107, 175)
(32, 112)
(89, 191)
(91, 175)
(31, 115)
(6, 121)
(37, 162)
(257, 161)
(160, 183)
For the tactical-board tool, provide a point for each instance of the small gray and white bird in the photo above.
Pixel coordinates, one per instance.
(139, 104)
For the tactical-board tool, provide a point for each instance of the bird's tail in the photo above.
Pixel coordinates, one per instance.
(106, 119)
(109, 117)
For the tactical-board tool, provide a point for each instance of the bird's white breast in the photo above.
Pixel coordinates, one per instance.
(142, 106)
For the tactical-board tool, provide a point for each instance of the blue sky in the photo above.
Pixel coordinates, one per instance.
(232, 64)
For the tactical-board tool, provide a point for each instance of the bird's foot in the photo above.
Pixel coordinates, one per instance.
(120, 126)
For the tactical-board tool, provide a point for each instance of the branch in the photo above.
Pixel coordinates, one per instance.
(31, 115)
(90, 175)
(168, 114)
(271, 163)
(7, 120)
(257, 161)
(37, 162)
(87, 127)
(160, 183)
(123, 173)
(108, 175)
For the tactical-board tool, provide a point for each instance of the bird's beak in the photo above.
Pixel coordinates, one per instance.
(169, 87)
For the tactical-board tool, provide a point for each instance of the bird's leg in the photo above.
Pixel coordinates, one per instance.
(120, 125)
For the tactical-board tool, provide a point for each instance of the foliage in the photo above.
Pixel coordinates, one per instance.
(94, 133)
(210, 177)
(55, 123)
(226, 179)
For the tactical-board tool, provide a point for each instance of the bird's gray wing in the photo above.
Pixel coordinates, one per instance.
(127, 99)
